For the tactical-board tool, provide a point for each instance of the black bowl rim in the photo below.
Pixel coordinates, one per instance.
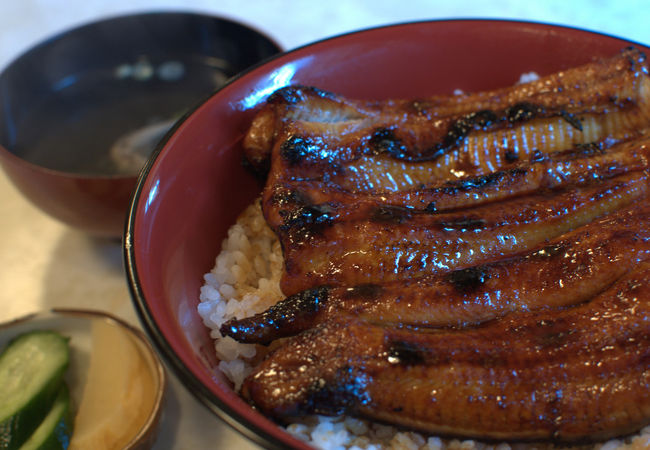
(213, 403)
(133, 15)
(106, 20)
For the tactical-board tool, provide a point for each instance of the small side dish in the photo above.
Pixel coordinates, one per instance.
(78, 380)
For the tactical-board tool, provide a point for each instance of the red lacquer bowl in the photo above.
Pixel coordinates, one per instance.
(69, 102)
(194, 186)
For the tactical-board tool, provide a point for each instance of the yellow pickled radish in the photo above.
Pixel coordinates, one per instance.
(119, 394)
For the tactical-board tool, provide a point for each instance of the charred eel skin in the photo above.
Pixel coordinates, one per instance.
(566, 375)
(564, 272)
(385, 145)
(395, 244)
(577, 166)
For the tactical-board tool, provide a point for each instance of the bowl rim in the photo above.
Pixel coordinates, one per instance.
(205, 14)
(211, 401)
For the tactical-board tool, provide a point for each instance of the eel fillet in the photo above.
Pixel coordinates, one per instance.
(564, 272)
(398, 244)
(565, 375)
(577, 166)
(305, 133)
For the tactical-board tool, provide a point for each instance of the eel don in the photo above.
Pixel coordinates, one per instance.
(473, 265)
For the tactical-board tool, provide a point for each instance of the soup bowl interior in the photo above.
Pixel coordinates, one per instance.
(195, 185)
(82, 110)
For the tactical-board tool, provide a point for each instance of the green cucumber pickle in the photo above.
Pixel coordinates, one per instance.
(55, 430)
(32, 367)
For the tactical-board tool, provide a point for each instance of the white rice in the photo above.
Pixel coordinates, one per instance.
(245, 281)
(524, 78)
(528, 77)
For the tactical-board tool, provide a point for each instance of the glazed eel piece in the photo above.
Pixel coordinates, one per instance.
(393, 243)
(564, 272)
(576, 374)
(316, 201)
(393, 145)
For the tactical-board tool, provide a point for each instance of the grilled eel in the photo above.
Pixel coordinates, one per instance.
(388, 146)
(407, 244)
(310, 200)
(375, 202)
(314, 143)
(564, 272)
(565, 375)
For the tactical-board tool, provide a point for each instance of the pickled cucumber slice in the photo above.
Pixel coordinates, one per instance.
(31, 373)
(55, 430)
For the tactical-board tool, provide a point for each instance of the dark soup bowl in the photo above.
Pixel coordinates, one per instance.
(82, 111)
(194, 186)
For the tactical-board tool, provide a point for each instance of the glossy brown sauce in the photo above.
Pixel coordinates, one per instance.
(471, 266)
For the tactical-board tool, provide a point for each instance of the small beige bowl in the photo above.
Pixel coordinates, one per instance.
(84, 328)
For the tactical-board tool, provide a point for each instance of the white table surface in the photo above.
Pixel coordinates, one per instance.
(45, 264)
